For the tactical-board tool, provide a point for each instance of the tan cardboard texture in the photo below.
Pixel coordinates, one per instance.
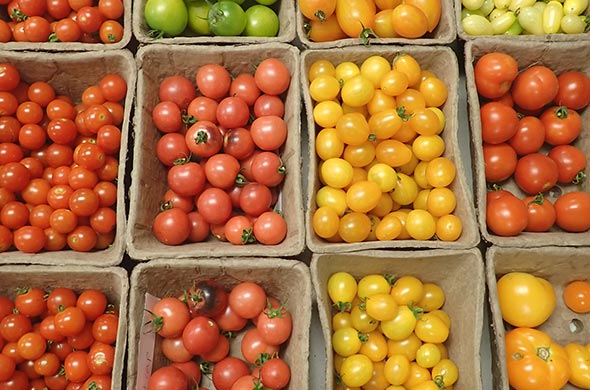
(539, 39)
(112, 281)
(148, 185)
(443, 63)
(285, 10)
(556, 264)
(445, 33)
(560, 58)
(459, 273)
(287, 280)
(78, 46)
(70, 74)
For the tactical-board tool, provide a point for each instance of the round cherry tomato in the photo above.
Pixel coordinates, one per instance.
(562, 125)
(529, 136)
(535, 87)
(172, 226)
(499, 162)
(272, 76)
(499, 122)
(576, 296)
(536, 173)
(166, 378)
(572, 210)
(574, 90)
(227, 371)
(541, 213)
(571, 163)
(506, 215)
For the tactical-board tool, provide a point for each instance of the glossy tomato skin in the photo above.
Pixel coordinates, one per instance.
(529, 136)
(499, 122)
(535, 361)
(172, 227)
(576, 296)
(206, 298)
(535, 87)
(494, 74)
(168, 378)
(499, 161)
(562, 125)
(541, 213)
(227, 371)
(275, 324)
(536, 173)
(353, 16)
(506, 215)
(200, 335)
(572, 211)
(574, 90)
(570, 161)
(204, 139)
(525, 299)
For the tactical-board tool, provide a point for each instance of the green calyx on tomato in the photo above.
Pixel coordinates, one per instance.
(366, 34)
(561, 112)
(401, 111)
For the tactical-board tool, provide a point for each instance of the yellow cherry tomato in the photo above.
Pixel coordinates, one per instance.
(384, 124)
(378, 380)
(393, 153)
(354, 227)
(361, 321)
(373, 284)
(384, 175)
(374, 67)
(356, 370)
(441, 201)
(387, 4)
(363, 196)
(417, 376)
(412, 100)
(394, 82)
(328, 144)
(375, 346)
(433, 297)
(431, 329)
(321, 67)
(381, 306)
(408, 168)
(336, 172)
(342, 287)
(380, 102)
(420, 175)
(428, 355)
(402, 214)
(407, 290)
(341, 320)
(428, 147)
(432, 9)
(409, 21)
(579, 362)
(338, 363)
(384, 207)
(327, 113)
(374, 222)
(323, 88)
(353, 128)
(443, 315)
(405, 134)
(332, 197)
(397, 369)
(358, 174)
(389, 228)
(346, 70)
(434, 91)
(361, 110)
(408, 65)
(406, 347)
(406, 190)
(359, 155)
(357, 91)
(441, 118)
(325, 222)
(421, 201)
(447, 370)
(402, 325)
(383, 26)
(424, 122)
(346, 341)
(440, 172)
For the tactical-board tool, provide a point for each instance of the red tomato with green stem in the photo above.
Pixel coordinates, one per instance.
(571, 163)
(275, 324)
(186, 178)
(562, 125)
(535, 173)
(506, 215)
(535, 87)
(253, 346)
(238, 230)
(30, 301)
(205, 298)
(268, 169)
(275, 373)
(200, 335)
(204, 139)
(170, 317)
(172, 147)
(541, 213)
(494, 74)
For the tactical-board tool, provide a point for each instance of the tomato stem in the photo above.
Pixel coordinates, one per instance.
(279, 312)
(261, 359)
(342, 306)
(439, 382)
(167, 206)
(307, 29)
(562, 112)
(580, 177)
(363, 337)
(21, 290)
(538, 199)
(201, 137)
(156, 34)
(401, 111)
(157, 322)
(390, 278)
(18, 15)
(241, 180)
(248, 236)
(320, 14)
(544, 353)
(417, 311)
(53, 38)
(366, 35)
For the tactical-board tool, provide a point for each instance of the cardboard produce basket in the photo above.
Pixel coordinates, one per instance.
(539, 39)
(560, 58)
(155, 62)
(71, 74)
(445, 33)
(443, 63)
(284, 9)
(287, 280)
(559, 266)
(112, 281)
(125, 21)
(464, 297)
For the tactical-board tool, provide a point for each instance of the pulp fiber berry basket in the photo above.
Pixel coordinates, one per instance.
(284, 9)
(560, 57)
(445, 33)
(287, 280)
(559, 266)
(125, 21)
(443, 63)
(148, 184)
(112, 281)
(70, 74)
(435, 266)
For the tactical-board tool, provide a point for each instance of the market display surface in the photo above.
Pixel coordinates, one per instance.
(237, 166)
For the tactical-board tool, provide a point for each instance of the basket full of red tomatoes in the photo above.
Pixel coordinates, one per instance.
(220, 166)
(65, 26)
(64, 143)
(529, 126)
(215, 322)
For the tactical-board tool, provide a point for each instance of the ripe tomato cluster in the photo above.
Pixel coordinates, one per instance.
(330, 20)
(87, 21)
(197, 329)
(58, 339)
(526, 302)
(389, 331)
(58, 164)
(383, 172)
(224, 159)
(530, 123)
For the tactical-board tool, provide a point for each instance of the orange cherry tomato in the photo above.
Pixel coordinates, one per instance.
(326, 31)
(355, 16)
(319, 10)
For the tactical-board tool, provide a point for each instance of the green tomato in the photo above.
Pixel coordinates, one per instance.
(552, 15)
(515, 29)
(531, 20)
(198, 11)
(266, 2)
(226, 18)
(573, 24)
(503, 22)
(477, 25)
(167, 17)
(261, 21)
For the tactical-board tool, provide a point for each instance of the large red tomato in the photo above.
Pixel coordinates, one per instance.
(494, 74)
(535, 87)
(535, 173)
(506, 215)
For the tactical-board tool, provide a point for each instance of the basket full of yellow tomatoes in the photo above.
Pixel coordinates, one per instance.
(385, 167)
(339, 23)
